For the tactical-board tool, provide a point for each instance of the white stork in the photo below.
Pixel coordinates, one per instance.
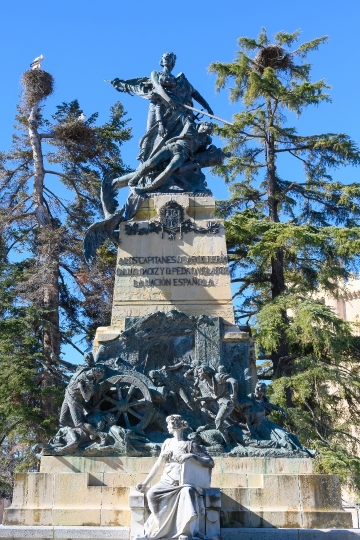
(36, 64)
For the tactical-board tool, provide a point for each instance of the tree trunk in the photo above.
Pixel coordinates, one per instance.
(277, 278)
(277, 262)
(48, 266)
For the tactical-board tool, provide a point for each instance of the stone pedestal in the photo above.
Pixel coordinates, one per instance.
(255, 493)
(158, 271)
(186, 270)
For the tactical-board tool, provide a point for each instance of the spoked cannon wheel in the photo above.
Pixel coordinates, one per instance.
(128, 399)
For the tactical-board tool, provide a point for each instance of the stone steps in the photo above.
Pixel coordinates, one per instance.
(255, 492)
(285, 500)
(123, 533)
(68, 533)
(290, 534)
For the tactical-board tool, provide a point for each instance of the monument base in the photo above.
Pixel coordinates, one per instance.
(255, 493)
(68, 533)
(123, 533)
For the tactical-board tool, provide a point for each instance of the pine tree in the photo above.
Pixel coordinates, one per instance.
(292, 241)
(23, 420)
(51, 296)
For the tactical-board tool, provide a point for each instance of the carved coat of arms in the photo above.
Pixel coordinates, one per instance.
(171, 215)
(171, 220)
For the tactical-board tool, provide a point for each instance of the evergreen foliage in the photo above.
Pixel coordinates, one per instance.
(292, 242)
(22, 418)
(49, 194)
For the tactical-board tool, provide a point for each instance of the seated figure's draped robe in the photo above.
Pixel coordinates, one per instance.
(174, 507)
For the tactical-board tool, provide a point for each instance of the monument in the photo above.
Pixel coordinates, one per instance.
(172, 360)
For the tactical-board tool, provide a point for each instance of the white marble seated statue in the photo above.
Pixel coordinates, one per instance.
(175, 506)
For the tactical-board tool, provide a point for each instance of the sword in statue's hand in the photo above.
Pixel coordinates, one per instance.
(208, 114)
(161, 92)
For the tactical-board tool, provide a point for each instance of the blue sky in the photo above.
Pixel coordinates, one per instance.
(85, 42)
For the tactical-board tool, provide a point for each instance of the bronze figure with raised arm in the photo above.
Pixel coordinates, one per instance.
(173, 151)
(166, 93)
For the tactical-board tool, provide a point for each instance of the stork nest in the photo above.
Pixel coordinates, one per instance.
(272, 56)
(76, 136)
(38, 85)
